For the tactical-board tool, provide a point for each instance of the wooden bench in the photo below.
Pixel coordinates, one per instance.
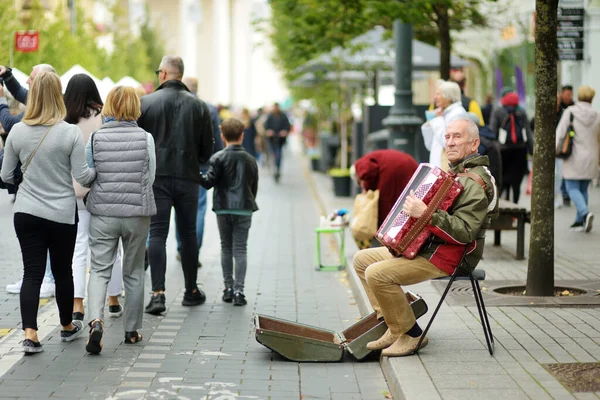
(511, 217)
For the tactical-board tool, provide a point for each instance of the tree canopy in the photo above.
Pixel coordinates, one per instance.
(133, 56)
(303, 29)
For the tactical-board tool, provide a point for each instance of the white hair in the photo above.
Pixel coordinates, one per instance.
(45, 68)
(470, 126)
(450, 90)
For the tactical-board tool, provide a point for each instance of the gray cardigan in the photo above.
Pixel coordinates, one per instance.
(47, 188)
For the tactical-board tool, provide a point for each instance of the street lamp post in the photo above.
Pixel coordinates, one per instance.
(402, 122)
(71, 5)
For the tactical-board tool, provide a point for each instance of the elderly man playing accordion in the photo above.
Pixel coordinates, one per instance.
(463, 224)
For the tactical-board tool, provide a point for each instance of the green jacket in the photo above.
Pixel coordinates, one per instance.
(466, 221)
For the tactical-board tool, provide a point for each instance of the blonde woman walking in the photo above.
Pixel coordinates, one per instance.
(51, 152)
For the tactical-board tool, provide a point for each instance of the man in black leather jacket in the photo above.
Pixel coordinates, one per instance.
(182, 129)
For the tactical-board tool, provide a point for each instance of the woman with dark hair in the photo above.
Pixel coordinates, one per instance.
(84, 106)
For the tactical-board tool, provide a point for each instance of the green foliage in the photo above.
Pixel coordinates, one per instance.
(339, 172)
(303, 29)
(135, 57)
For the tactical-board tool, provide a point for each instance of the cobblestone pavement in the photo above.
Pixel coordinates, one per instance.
(456, 363)
(205, 352)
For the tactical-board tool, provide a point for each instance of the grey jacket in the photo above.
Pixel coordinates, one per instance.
(124, 158)
(583, 163)
(47, 187)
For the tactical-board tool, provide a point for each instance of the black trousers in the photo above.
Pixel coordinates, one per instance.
(37, 237)
(183, 196)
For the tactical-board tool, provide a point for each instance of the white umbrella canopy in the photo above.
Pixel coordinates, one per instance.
(373, 50)
(128, 81)
(106, 84)
(74, 70)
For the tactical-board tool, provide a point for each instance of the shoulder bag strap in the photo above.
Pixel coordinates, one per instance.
(24, 169)
(475, 177)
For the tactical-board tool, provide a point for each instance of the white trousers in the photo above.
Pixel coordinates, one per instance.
(81, 261)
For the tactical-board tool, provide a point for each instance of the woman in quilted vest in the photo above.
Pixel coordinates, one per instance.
(84, 106)
(120, 202)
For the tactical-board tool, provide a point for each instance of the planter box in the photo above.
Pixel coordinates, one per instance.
(299, 342)
(341, 186)
(315, 164)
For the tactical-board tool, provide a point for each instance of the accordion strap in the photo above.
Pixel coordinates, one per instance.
(475, 177)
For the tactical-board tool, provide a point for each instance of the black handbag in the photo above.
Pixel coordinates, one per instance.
(565, 147)
(18, 177)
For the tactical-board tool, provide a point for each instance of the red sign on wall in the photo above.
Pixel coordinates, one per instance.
(27, 41)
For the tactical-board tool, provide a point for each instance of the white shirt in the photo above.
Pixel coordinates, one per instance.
(434, 131)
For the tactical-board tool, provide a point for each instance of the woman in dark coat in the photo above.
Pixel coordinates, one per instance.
(511, 127)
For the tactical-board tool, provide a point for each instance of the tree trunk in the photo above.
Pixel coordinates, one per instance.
(443, 24)
(540, 274)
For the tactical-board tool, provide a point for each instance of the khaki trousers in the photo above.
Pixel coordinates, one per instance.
(382, 275)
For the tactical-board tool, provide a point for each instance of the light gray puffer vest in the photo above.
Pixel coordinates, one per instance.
(122, 187)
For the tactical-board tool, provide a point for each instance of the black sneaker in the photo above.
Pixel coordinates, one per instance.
(567, 202)
(228, 295)
(115, 311)
(193, 299)
(587, 221)
(577, 227)
(29, 346)
(78, 316)
(69, 336)
(94, 343)
(239, 299)
(156, 304)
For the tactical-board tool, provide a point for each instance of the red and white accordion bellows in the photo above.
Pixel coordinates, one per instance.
(404, 235)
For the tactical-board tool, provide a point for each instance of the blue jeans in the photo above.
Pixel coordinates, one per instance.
(578, 192)
(199, 220)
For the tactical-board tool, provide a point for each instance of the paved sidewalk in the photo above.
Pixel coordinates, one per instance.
(205, 352)
(457, 365)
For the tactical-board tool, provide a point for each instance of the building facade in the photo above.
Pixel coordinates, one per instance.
(219, 46)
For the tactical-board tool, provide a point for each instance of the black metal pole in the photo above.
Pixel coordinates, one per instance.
(402, 121)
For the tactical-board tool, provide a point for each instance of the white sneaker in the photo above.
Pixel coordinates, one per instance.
(14, 288)
(47, 290)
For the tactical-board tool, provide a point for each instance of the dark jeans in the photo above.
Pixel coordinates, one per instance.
(276, 147)
(199, 221)
(37, 237)
(183, 195)
(233, 230)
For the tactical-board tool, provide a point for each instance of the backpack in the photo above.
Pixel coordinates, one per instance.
(512, 133)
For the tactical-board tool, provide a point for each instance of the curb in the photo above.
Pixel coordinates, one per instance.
(362, 301)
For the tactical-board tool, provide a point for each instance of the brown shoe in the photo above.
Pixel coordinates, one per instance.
(385, 341)
(404, 346)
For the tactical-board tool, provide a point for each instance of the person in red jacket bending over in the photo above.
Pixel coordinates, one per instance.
(388, 171)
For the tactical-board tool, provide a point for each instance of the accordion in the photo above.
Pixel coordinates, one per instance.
(404, 235)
